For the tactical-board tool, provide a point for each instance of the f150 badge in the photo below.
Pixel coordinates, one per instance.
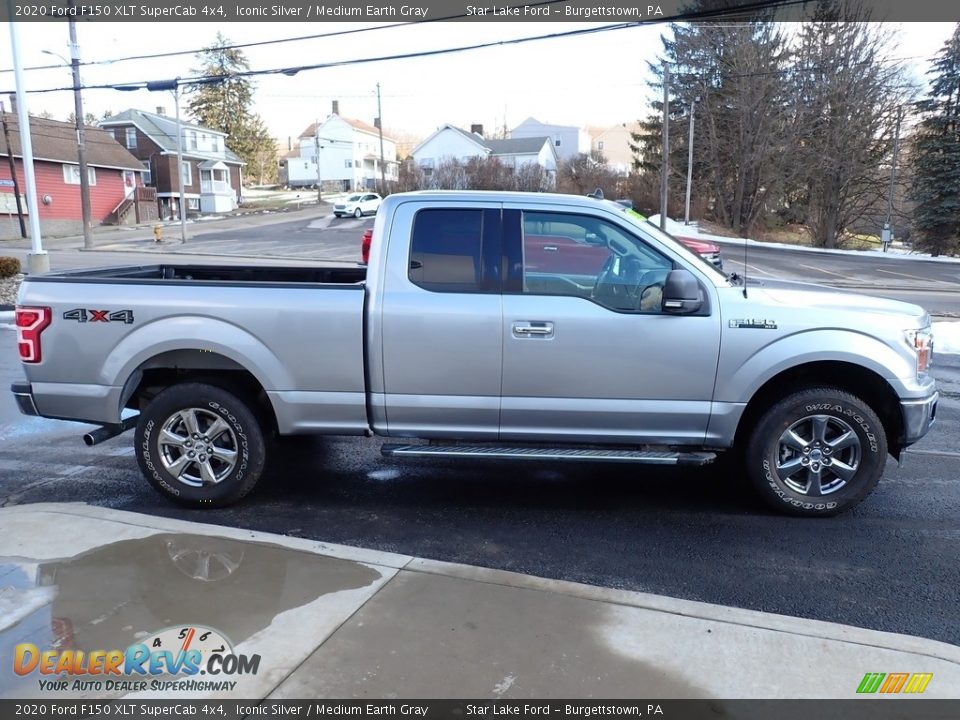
(83, 315)
(754, 323)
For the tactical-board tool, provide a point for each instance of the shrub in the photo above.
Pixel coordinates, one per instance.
(9, 266)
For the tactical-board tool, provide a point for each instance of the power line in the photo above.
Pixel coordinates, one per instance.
(293, 70)
(260, 43)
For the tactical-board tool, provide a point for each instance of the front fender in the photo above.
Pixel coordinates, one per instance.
(739, 379)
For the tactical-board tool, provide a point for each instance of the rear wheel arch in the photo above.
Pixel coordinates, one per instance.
(198, 366)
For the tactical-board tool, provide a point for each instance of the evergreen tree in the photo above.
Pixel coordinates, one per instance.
(935, 156)
(226, 104)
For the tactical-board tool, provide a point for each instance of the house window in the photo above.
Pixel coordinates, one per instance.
(192, 140)
(131, 138)
(147, 177)
(193, 203)
(600, 145)
(356, 163)
(557, 142)
(186, 173)
(348, 163)
(71, 175)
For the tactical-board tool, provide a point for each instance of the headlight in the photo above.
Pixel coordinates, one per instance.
(922, 343)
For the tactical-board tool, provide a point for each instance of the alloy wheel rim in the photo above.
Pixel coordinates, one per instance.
(197, 447)
(818, 455)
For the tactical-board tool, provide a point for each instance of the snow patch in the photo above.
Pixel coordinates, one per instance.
(946, 337)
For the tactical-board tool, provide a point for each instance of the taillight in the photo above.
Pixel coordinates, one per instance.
(365, 245)
(31, 321)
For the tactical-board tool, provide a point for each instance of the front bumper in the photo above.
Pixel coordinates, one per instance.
(24, 397)
(918, 417)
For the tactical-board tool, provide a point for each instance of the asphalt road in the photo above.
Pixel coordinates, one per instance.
(890, 564)
(311, 235)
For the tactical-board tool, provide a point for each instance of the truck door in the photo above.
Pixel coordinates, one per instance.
(588, 355)
(441, 322)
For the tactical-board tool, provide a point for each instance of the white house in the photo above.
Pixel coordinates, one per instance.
(349, 155)
(568, 141)
(452, 142)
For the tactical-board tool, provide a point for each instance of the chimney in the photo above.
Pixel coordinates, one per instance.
(13, 103)
(161, 110)
(477, 130)
(336, 107)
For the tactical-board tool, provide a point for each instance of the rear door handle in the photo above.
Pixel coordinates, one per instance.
(533, 329)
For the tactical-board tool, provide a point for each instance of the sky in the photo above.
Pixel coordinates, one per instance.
(599, 79)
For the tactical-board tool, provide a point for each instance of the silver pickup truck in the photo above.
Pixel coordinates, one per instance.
(486, 325)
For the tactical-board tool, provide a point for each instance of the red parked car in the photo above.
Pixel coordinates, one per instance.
(563, 254)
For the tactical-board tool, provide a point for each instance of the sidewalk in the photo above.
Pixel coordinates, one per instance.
(331, 621)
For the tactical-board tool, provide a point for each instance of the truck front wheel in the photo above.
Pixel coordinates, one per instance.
(200, 445)
(817, 452)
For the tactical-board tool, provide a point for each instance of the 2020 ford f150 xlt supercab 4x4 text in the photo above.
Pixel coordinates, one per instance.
(456, 335)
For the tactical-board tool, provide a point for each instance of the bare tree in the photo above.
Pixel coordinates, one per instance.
(846, 102)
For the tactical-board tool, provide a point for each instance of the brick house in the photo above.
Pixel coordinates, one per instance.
(212, 174)
(114, 174)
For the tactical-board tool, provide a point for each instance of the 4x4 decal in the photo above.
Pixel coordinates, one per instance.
(83, 315)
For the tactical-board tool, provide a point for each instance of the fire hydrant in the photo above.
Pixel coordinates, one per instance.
(158, 233)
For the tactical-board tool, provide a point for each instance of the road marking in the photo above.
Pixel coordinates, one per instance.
(829, 272)
(915, 277)
(762, 272)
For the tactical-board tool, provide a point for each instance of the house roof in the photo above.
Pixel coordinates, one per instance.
(507, 146)
(163, 131)
(516, 146)
(355, 124)
(57, 142)
(472, 137)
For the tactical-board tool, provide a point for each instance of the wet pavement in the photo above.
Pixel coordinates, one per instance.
(255, 616)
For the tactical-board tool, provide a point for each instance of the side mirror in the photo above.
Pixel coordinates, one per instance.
(681, 293)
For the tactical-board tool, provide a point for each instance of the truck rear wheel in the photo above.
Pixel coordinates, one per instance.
(816, 453)
(200, 445)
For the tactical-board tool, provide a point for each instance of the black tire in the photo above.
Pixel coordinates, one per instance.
(816, 453)
(228, 432)
(358, 213)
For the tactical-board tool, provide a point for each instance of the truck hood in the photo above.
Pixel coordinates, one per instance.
(820, 297)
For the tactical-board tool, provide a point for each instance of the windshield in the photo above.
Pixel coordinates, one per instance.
(354, 198)
(650, 229)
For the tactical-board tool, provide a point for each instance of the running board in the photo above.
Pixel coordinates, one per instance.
(647, 457)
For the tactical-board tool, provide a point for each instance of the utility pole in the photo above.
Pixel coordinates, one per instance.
(686, 212)
(665, 149)
(13, 170)
(183, 204)
(81, 133)
(316, 146)
(383, 171)
(38, 261)
(887, 234)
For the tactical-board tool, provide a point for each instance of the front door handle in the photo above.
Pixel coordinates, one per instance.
(533, 329)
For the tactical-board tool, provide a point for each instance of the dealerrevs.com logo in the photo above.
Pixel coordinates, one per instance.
(169, 660)
(894, 683)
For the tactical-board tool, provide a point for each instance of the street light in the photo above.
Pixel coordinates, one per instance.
(81, 132)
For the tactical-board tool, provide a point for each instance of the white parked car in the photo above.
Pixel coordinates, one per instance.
(358, 205)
